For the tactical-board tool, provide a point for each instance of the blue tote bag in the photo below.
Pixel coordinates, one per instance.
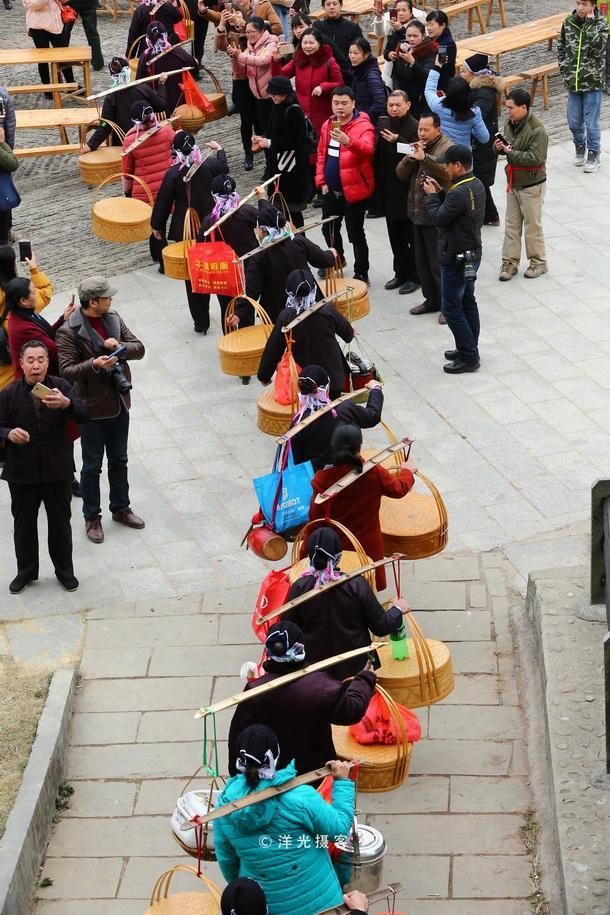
(9, 196)
(285, 493)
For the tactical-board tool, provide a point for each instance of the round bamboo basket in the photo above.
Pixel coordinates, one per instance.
(354, 302)
(425, 677)
(188, 117)
(416, 525)
(134, 61)
(175, 256)
(104, 162)
(382, 766)
(189, 25)
(273, 418)
(217, 98)
(240, 350)
(161, 903)
(122, 219)
(350, 559)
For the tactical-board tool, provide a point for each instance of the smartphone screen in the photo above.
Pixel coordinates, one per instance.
(394, 13)
(383, 122)
(25, 250)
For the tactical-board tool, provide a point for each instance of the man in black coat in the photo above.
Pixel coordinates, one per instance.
(339, 33)
(458, 216)
(302, 712)
(393, 144)
(39, 463)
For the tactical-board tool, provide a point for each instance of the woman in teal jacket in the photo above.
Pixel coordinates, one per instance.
(281, 842)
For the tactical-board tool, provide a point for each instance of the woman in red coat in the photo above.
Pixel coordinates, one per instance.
(316, 74)
(358, 507)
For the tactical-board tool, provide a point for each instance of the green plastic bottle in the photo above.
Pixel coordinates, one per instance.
(399, 643)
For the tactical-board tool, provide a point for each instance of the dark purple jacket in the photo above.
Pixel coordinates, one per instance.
(301, 713)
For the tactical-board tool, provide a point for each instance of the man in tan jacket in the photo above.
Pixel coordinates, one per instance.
(424, 162)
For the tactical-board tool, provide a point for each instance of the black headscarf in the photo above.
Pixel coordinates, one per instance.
(284, 644)
(258, 752)
(243, 896)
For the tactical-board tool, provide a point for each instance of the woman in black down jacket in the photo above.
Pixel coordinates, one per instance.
(485, 88)
(342, 619)
(412, 64)
(314, 338)
(313, 442)
(366, 80)
(188, 184)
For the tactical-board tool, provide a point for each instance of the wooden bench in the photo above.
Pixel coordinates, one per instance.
(58, 119)
(535, 74)
(468, 6)
(42, 87)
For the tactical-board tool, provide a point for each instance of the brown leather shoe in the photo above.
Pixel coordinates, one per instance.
(422, 309)
(94, 530)
(128, 518)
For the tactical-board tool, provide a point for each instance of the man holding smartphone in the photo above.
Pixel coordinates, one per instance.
(34, 413)
(87, 347)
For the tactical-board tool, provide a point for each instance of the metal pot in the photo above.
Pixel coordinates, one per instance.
(364, 859)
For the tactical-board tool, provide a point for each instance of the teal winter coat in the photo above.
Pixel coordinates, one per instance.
(280, 842)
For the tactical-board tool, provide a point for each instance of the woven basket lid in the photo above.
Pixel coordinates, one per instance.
(394, 670)
(185, 904)
(174, 250)
(123, 211)
(104, 155)
(412, 516)
(349, 563)
(360, 289)
(245, 340)
(370, 754)
(269, 404)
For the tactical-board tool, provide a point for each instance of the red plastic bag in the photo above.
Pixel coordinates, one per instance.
(377, 725)
(273, 593)
(286, 387)
(212, 269)
(194, 96)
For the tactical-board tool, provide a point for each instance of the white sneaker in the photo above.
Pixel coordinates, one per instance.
(579, 156)
(592, 163)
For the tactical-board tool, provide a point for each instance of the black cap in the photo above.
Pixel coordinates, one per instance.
(279, 85)
(458, 153)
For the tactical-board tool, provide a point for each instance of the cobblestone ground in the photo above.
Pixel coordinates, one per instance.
(56, 206)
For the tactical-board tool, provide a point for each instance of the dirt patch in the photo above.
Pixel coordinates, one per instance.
(22, 697)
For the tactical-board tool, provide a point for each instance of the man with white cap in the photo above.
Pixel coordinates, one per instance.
(93, 347)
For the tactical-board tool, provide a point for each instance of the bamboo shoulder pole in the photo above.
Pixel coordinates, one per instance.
(282, 439)
(238, 698)
(249, 196)
(135, 82)
(351, 477)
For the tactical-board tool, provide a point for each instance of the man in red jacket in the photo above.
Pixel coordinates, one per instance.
(345, 177)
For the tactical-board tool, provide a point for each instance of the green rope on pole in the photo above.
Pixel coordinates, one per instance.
(215, 771)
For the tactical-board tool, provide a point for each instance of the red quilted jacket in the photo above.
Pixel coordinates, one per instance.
(149, 161)
(355, 161)
(319, 69)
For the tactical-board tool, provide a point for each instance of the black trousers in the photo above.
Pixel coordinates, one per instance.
(156, 246)
(428, 266)
(201, 31)
(25, 502)
(245, 103)
(44, 39)
(400, 234)
(353, 213)
(491, 211)
(89, 21)
(199, 307)
(5, 226)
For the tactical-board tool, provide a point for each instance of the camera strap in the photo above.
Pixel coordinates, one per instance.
(96, 341)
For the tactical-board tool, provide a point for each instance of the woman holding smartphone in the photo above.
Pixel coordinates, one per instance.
(413, 59)
(43, 293)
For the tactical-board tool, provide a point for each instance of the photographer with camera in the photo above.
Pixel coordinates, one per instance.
(458, 216)
(93, 347)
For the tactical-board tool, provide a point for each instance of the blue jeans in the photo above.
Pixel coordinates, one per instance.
(583, 118)
(284, 17)
(96, 436)
(459, 306)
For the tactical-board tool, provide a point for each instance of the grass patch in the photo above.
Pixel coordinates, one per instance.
(22, 697)
(529, 835)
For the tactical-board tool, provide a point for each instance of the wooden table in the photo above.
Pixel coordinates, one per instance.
(58, 118)
(515, 38)
(55, 58)
(353, 8)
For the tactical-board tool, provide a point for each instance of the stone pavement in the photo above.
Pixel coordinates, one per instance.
(452, 829)
(513, 449)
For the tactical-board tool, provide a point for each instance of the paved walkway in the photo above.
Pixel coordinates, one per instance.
(513, 449)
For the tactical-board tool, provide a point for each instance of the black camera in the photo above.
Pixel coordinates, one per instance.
(119, 379)
(467, 258)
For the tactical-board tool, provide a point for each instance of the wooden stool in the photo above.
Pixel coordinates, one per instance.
(541, 73)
